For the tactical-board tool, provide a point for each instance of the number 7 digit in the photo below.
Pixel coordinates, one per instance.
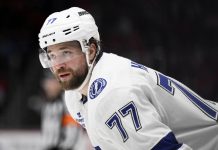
(169, 85)
(130, 108)
(115, 120)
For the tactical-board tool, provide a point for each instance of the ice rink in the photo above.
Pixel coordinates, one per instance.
(20, 140)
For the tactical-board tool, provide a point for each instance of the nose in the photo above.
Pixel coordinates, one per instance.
(59, 66)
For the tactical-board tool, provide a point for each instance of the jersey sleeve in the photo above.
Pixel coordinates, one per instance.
(126, 119)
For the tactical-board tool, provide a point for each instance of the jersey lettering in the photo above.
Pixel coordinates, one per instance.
(166, 84)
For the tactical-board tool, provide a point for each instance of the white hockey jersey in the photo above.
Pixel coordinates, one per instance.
(130, 106)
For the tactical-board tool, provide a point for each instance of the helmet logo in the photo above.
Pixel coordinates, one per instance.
(50, 21)
(49, 34)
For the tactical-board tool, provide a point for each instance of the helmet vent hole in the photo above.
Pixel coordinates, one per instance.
(68, 16)
(45, 42)
(67, 31)
(75, 28)
(53, 40)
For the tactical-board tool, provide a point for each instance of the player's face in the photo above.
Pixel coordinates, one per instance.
(70, 73)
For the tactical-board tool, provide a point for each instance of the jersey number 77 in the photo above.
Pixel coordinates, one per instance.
(169, 85)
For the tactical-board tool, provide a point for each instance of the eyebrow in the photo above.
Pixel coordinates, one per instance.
(61, 48)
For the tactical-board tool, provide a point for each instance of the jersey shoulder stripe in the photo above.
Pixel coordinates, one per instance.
(168, 142)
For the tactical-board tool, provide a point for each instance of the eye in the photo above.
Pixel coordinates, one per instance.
(67, 53)
(51, 56)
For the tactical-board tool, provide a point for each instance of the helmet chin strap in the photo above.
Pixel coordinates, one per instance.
(90, 68)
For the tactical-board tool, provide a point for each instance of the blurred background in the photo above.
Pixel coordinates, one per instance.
(176, 37)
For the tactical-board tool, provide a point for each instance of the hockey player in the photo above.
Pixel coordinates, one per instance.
(122, 104)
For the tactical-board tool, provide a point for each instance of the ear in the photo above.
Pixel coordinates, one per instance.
(92, 52)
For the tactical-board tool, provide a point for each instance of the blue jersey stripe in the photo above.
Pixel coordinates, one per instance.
(97, 148)
(168, 142)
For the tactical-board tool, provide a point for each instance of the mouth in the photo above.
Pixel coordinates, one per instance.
(64, 76)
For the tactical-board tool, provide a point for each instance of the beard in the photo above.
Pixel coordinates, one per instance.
(76, 80)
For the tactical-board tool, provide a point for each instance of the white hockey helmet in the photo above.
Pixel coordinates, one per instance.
(73, 24)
